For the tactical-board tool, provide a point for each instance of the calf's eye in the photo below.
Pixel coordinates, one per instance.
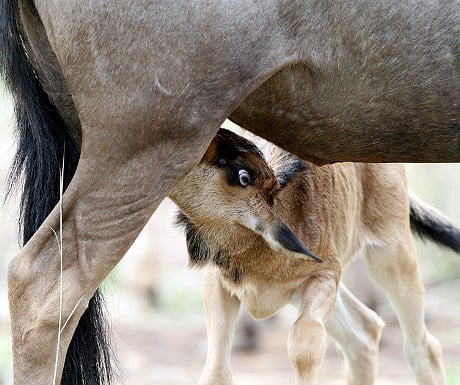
(244, 177)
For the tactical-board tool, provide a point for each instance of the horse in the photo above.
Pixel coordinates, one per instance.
(102, 89)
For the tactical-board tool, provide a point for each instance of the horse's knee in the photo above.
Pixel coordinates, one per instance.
(19, 275)
(307, 345)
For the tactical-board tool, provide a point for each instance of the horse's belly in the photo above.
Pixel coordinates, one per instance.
(323, 123)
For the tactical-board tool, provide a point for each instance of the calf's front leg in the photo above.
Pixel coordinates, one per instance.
(221, 309)
(307, 340)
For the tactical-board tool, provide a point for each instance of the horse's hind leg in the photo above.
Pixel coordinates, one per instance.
(395, 268)
(357, 331)
(114, 191)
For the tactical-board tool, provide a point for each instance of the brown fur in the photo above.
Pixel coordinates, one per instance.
(337, 211)
(144, 86)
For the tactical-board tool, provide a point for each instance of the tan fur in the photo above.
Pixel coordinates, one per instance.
(337, 211)
(144, 86)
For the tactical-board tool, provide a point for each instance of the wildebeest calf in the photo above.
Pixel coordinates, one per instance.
(238, 212)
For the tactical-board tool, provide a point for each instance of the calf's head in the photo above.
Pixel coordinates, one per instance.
(233, 187)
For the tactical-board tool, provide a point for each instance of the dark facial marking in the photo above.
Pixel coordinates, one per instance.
(228, 268)
(197, 246)
(200, 252)
(237, 275)
(221, 260)
(230, 146)
(234, 154)
(291, 166)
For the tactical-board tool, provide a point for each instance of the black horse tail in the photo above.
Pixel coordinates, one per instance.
(43, 143)
(429, 223)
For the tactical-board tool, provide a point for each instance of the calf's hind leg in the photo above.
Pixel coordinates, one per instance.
(357, 331)
(115, 190)
(395, 269)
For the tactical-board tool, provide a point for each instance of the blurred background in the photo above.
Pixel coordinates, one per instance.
(154, 300)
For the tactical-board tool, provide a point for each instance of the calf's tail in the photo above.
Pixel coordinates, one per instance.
(429, 223)
(43, 143)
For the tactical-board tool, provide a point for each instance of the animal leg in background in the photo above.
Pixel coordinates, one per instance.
(357, 331)
(395, 269)
(102, 215)
(221, 310)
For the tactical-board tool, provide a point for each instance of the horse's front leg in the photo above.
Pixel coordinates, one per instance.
(115, 190)
(307, 340)
(221, 309)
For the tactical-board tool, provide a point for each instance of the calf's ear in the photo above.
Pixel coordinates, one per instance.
(282, 238)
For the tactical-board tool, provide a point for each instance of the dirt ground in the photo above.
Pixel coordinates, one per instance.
(170, 350)
(167, 346)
